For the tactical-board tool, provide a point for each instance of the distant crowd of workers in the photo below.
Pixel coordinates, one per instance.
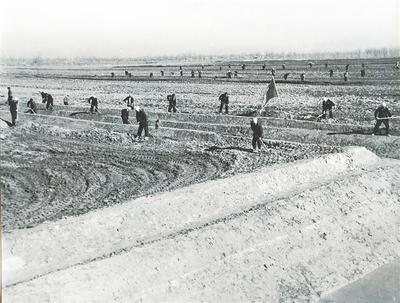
(382, 113)
(243, 66)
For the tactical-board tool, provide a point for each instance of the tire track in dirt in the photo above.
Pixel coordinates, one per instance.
(71, 178)
(49, 174)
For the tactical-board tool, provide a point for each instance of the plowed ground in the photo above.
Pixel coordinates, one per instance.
(48, 173)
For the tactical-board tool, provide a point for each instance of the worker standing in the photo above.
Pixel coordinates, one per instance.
(171, 103)
(125, 115)
(32, 108)
(382, 115)
(141, 117)
(13, 103)
(94, 103)
(257, 129)
(346, 76)
(327, 106)
(224, 99)
(10, 96)
(331, 73)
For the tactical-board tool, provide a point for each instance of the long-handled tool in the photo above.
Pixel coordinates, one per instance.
(387, 118)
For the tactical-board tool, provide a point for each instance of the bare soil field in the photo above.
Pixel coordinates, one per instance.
(49, 172)
(356, 100)
(192, 214)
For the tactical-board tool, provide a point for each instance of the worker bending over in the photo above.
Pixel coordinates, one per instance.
(171, 103)
(32, 108)
(382, 115)
(141, 117)
(327, 106)
(224, 99)
(125, 115)
(94, 103)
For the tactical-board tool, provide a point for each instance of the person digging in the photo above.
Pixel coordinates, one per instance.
(32, 107)
(141, 117)
(224, 99)
(94, 103)
(171, 103)
(125, 115)
(382, 115)
(327, 106)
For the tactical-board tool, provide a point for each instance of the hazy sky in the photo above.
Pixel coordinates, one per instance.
(58, 28)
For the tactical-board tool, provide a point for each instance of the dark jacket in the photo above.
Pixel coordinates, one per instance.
(125, 114)
(172, 100)
(382, 112)
(10, 97)
(224, 98)
(32, 105)
(93, 101)
(13, 105)
(49, 99)
(256, 128)
(44, 97)
(327, 105)
(141, 117)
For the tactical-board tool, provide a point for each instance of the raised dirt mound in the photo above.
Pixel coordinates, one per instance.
(270, 235)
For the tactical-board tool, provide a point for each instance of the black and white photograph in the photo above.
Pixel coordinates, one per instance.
(200, 151)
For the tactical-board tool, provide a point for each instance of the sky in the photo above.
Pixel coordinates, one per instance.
(123, 28)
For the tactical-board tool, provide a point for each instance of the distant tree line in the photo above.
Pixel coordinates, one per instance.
(369, 53)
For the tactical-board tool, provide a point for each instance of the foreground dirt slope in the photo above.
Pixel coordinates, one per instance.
(287, 233)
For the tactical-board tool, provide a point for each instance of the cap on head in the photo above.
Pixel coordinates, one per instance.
(137, 108)
(325, 98)
(383, 104)
(16, 99)
(255, 120)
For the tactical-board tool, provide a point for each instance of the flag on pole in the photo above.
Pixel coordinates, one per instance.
(271, 92)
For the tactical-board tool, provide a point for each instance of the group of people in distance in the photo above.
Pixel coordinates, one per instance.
(382, 114)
